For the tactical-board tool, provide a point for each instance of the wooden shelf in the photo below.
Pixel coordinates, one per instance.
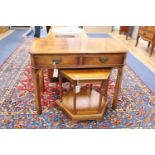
(87, 105)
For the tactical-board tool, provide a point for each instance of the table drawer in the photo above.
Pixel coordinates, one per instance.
(149, 28)
(59, 60)
(146, 34)
(102, 60)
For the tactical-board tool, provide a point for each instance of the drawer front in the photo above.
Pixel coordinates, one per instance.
(149, 28)
(146, 34)
(141, 31)
(60, 61)
(141, 28)
(103, 60)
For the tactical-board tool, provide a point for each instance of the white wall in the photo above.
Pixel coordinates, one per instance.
(135, 32)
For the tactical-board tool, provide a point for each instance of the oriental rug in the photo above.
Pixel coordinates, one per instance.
(135, 106)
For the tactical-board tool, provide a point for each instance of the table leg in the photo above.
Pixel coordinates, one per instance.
(149, 44)
(128, 34)
(60, 87)
(117, 86)
(50, 72)
(152, 48)
(101, 96)
(91, 87)
(74, 105)
(41, 75)
(37, 90)
(137, 40)
(106, 90)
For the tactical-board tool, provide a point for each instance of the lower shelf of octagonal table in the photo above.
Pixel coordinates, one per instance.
(86, 107)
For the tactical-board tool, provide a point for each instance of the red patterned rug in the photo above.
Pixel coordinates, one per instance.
(135, 107)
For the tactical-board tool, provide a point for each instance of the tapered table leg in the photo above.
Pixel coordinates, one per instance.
(152, 48)
(117, 87)
(137, 40)
(149, 44)
(37, 90)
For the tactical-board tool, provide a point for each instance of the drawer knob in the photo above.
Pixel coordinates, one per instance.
(103, 60)
(56, 61)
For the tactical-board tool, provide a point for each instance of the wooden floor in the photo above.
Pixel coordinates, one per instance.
(140, 52)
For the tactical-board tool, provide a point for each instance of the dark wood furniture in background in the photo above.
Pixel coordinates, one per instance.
(147, 33)
(127, 30)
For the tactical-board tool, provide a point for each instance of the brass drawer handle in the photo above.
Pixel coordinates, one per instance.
(56, 61)
(103, 60)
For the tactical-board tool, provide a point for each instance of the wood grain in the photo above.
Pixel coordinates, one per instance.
(76, 46)
(87, 74)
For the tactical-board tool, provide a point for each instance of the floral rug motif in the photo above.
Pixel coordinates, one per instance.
(135, 106)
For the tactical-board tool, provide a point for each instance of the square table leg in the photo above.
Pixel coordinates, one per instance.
(37, 89)
(41, 79)
(101, 96)
(117, 86)
(60, 87)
